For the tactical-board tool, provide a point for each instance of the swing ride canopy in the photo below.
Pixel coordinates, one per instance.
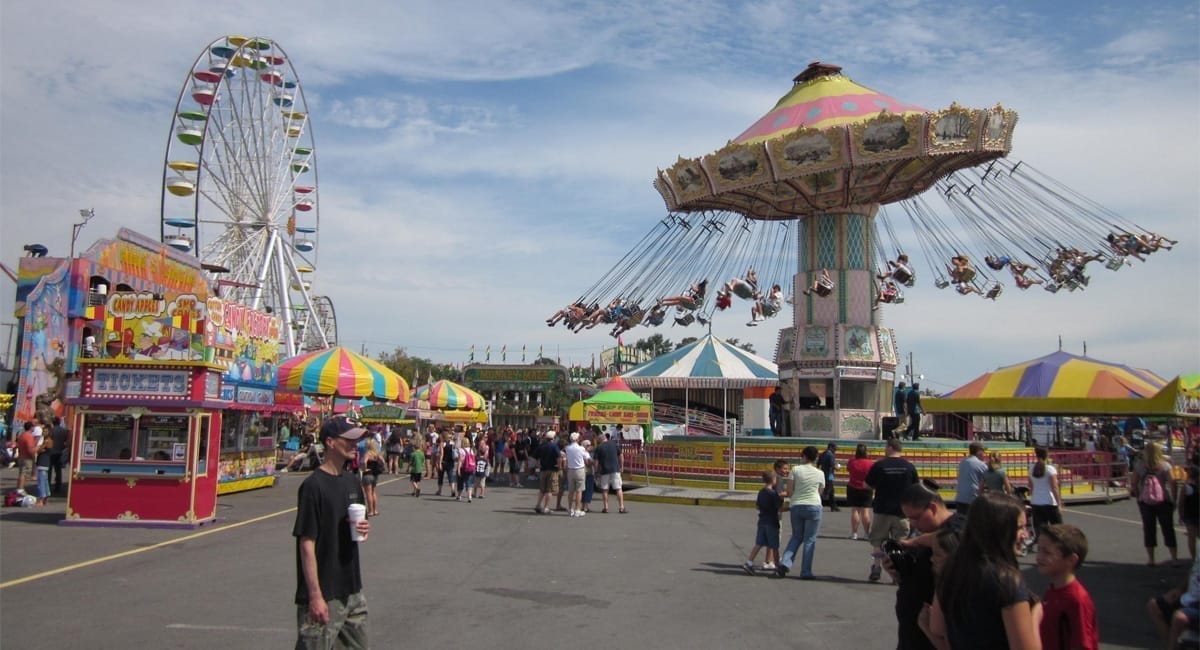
(338, 372)
(706, 363)
(830, 144)
(1062, 384)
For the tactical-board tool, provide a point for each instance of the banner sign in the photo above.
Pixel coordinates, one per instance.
(617, 413)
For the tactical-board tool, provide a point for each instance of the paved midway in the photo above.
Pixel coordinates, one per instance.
(491, 573)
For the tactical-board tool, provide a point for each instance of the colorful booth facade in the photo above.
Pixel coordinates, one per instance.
(144, 443)
(168, 390)
(94, 306)
(246, 343)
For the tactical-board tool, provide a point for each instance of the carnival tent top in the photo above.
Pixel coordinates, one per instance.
(1058, 384)
(706, 363)
(339, 372)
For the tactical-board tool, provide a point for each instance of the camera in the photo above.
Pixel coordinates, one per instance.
(904, 559)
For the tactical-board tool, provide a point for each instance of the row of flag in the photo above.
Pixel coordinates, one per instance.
(487, 354)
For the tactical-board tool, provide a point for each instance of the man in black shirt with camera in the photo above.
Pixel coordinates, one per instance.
(910, 562)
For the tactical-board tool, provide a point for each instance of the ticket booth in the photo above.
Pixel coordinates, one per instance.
(144, 444)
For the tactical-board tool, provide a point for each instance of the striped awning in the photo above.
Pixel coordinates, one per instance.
(445, 394)
(707, 363)
(339, 372)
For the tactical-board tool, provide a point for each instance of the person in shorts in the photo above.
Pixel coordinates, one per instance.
(550, 460)
(889, 476)
(416, 469)
(766, 534)
(608, 463)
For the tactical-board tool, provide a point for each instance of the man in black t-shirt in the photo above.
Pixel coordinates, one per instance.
(889, 477)
(330, 603)
(550, 460)
(927, 512)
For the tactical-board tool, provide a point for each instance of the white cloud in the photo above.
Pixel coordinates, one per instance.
(481, 164)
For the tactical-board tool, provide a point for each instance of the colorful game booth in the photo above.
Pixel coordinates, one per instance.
(168, 390)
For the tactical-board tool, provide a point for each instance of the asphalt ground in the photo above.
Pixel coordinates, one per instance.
(493, 573)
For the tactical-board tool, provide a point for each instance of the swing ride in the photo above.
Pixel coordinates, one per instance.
(729, 211)
(811, 177)
(240, 185)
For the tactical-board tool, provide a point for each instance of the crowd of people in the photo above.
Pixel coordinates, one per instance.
(39, 452)
(959, 584)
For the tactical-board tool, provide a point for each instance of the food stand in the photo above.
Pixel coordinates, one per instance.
(144, 438)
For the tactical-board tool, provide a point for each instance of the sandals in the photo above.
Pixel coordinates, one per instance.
(623, 511)
(604, 511)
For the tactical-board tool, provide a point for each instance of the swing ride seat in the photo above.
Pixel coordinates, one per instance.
(685, 320)
(898, 299)
(1115, 263)
(941, 283)
(743, 289)
(823, 290)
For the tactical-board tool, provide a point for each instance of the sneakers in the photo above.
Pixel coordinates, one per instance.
(781, 571)
(769, 566)
(748, 567)
(854, 537)
(875, 571)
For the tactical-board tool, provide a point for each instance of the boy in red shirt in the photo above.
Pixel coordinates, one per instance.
(1069, 617)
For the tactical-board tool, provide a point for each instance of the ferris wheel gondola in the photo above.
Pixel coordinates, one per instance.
(240, 184)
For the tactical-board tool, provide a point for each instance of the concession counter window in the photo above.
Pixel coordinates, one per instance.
(120, 436)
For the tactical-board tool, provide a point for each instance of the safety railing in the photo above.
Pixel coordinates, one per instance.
(1079, 472)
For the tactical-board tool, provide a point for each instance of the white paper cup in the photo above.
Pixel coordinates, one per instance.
(357, 512)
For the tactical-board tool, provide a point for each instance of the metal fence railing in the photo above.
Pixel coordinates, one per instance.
(1079, 472)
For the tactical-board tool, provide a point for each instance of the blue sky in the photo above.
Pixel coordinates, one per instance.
(481, 164)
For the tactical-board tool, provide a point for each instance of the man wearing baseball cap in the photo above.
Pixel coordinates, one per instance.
(330, 603)
(549, 462)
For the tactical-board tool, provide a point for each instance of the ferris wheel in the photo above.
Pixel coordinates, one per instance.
(240, 185)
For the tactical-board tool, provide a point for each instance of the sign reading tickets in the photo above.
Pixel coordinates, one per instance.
(158, 383)
(617, 413)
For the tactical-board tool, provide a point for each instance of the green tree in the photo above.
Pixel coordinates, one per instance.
(748, 347)
(687, 340)
(656, 345)
(416, 370)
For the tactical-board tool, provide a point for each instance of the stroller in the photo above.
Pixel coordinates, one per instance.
(1023, 494)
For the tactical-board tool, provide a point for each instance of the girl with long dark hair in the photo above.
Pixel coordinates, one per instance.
(982, 601)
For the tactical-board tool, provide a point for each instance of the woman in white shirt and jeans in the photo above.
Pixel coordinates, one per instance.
(805, 484)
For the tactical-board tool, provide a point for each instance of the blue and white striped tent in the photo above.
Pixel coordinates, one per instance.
(707, 363)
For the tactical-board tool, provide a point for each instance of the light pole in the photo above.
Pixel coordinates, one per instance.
(87, 215)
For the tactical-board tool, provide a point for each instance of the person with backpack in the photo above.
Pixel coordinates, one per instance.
(1153, 484)
(1045, 499)
(466, 467)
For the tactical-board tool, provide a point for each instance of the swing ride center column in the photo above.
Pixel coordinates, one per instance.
(843, 361)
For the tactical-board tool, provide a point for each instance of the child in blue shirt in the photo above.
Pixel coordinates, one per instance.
(769, 505)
